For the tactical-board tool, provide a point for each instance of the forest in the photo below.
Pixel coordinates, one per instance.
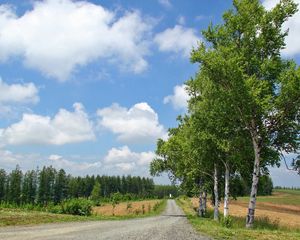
(49, 185)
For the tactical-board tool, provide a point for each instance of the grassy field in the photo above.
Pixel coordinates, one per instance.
(13, 216)
(277, 217)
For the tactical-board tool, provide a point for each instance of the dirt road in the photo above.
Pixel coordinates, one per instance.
(171, 225)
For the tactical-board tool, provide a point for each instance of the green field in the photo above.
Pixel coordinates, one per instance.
(279, 196)
(17, 216)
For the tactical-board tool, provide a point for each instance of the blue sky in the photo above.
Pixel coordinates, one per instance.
(90, 85)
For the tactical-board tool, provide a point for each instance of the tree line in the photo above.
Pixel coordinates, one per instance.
(244, 108)
(50, 185)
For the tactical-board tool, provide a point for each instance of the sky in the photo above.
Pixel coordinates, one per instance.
(89, 86)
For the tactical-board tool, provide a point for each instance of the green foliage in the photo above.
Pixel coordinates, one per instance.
(80, 206)
(296, 164)
(265, 186)
(96, 192)
(163, 191)
(227, 222)
(47, 186)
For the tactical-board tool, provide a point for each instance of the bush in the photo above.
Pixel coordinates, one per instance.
(227, 222)
(80, 206)
(56, 209)
(156, 206)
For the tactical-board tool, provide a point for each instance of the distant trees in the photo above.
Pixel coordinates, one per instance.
(49, 185)
(162, 191)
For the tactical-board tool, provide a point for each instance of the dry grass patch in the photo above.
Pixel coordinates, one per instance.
(127, 208)
(285, 215)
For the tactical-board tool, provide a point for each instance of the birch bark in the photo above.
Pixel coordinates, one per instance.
(226, 197)
(255, 178)
(216, 207)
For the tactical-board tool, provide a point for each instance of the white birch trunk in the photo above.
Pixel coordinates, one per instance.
(255, 178)
(200, 209)
(216, 207)
(226, 197)
(204, 202)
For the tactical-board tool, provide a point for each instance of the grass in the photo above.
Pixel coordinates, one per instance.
(15, 216)
(279, 196)
(265, 227)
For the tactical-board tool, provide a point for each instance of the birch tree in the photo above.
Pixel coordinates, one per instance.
(242, 58)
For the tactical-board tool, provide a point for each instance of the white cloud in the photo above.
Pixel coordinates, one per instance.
(181, 20)
(179, 99)
(14, 98)
(9, 160)
(56, 36)
(126, 160)
(60, 162)
(292, 40)
(179, 40)
(165, 3)
(18, 93)
(139, 124)
(65, 127)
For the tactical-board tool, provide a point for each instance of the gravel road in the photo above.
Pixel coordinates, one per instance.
(171, 225)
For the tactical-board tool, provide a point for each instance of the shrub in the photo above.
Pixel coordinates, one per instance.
(156, 206)
(56, 209)
(80, 206)
(227, 222)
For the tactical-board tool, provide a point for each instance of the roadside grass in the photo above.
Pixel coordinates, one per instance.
(15, 216)
(265, 228)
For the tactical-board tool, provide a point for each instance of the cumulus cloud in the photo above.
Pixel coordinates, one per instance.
(165, 3)
(292, 44)
(65, 127)
(179, 99)
(60, 162)
(126, 160)
(77, 166)
(179, 40)
(13, 97)
(117, 161)
(135, 125)
(56, 36)
(18, 93)
(181, 20)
